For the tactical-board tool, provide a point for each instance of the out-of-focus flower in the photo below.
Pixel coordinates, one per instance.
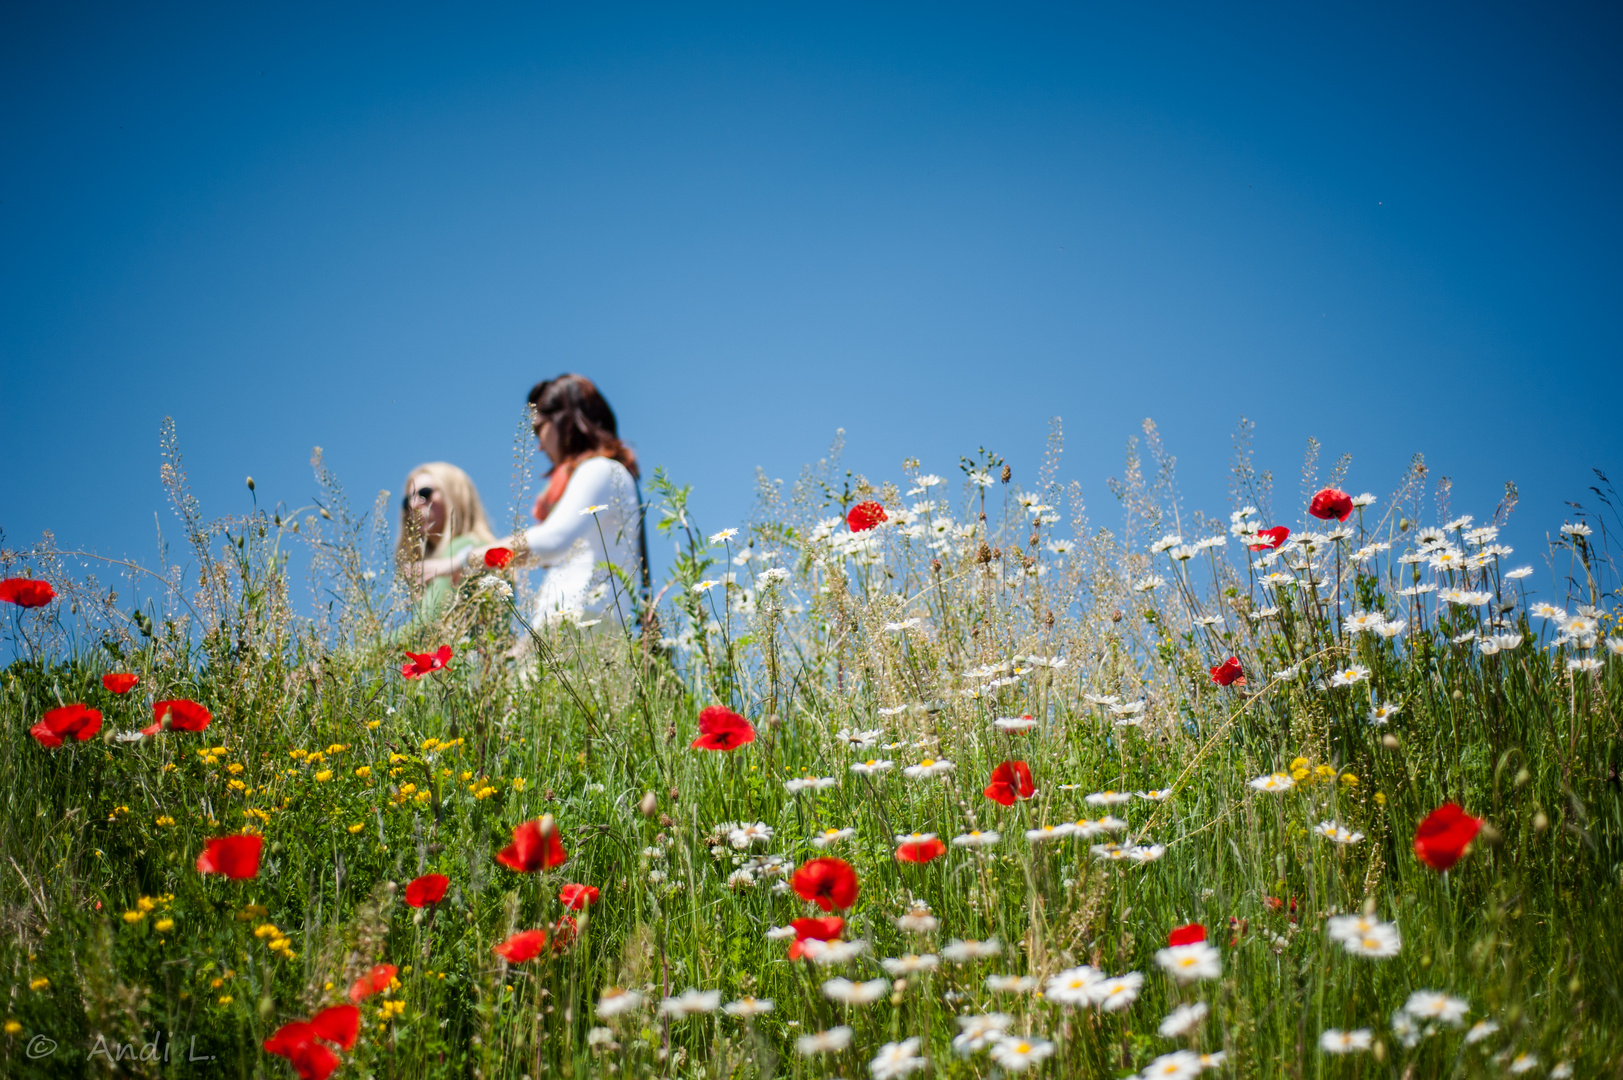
(1014, 725)
(522, 946)
(1229, 673)
(575, 897)
(1017, 1053)
(1331, 503)
(498, 557)
(615, 1001)
(1182, 1020)
(963, 952)
(1191, 962)
(1336, 1041)
(919, 847)
(1010, 781)
(1116, 992)
(864, 516)
(1441, 838)
(872, 766)
(831, 1041)
(690, 1002)
(1011, 984)
(1332, 831)
(1379, 942)
(827, 882)
(420, 664)
(847, 992)
(1072, 987)
(980, 1031)
(1178, 1065)
(1274, 782)
(722, 729)
(832, 836)
(1479, 1031)
(26, 592)
(237, 857)
(428, 889)
(1435, 1005)
(373, 982)
(909, 964)
(1269, 539)
(119, 682)
(179, 714)
(897, 1059)
(1044, 833)
(536, 846)
(76, 721)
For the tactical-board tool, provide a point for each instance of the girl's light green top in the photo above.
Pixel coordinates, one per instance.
(436, 592)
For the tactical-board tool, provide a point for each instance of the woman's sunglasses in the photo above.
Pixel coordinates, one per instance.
(423, 493)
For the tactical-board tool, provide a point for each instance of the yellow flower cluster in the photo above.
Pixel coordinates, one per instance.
(117, 810)
(364, 772)
(391, 1009)
(164, 819)
(1304, 771)
(277, 940)
(211, 755)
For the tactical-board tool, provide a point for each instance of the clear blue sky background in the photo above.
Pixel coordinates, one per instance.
(934, 226)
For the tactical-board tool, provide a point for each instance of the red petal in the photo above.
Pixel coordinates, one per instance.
(338, 1025)
(237, 857)
(428, 889)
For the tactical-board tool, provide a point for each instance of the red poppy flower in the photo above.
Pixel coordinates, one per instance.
(423, 663)
(920, 851)
(1010, 781)
(563, 933)
(1186, 935)
(297, 1042)
(1331, 503)
(536, 846)
(340, 1024)
(522, 946)
(428, 889)
(722, 729)
(1229, 673)
(574, 897)
(864, 516)
(1269, 539)
(119, 682)
(68, 722)
(827, 882)
(375, 981)
(183, 715)
(237, 857)
(26, 592)
(824, 929)
(498, 557)
(1441, 838)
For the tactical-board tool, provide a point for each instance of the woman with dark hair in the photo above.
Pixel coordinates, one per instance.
(588, 517)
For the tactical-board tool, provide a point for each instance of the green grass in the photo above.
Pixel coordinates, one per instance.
(1524, 927)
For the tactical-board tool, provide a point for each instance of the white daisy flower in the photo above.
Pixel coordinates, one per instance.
(1392, 629)
(1014, 725)
(897, 1059)
(780, 933)
(1166, 543)
(927, 768)
(615, 1001)
(748, 1006)
(831, 1041)
(1178, 1065)
(723, 536)
(979, 1032)
(1011, 984)
(1192, 962)
(1108, 798)
(1116, 992)
(1050, 832)
(1381, 942)
(1435, 1005)
(1359, 621)
(758, 832)
(1273, 782)
(1480, 1030)
(1149, 583)
(1380, 714)
(1332, 831)
(1146, 853)
(975, 838)
(1350, 676)
(1519, 573)
(1521, 1063)
(918, 920)
(832, 836)
(1017, 1053)
(860, 740)
(1336, 1041)
(1073, 986)
(809, 783)
(1155, 794)
(1183, 1020)
(963, 952)
(847, 992)
(909, 964)
(690, 1002)
(872, 766)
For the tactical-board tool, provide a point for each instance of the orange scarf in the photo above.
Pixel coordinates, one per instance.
(556, 486)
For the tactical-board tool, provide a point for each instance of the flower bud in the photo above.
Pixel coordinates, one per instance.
(1541, 822)
(1490, 835)
(648, 805)
(250, 483)
(1390, 741)
(1007, 475)
(325, 514)
(1523, 776)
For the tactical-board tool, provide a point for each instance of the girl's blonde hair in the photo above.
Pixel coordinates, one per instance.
(464, 513)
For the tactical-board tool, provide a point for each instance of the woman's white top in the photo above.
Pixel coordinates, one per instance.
(573, 545)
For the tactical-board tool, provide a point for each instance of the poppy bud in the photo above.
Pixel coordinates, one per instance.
(267, 1009)
(1390, 741)
(325, 514)
(648, 805)
(1523, 776)
(1459, 695)
(1541, 822)
(250, 483)
(1404, 524)
(1379, 1050)
(1369, 905)
(1575, 985)
(1490, 835)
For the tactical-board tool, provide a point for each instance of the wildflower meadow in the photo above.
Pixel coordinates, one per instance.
(930, 774)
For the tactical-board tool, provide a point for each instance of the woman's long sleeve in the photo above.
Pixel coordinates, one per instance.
(595, 483)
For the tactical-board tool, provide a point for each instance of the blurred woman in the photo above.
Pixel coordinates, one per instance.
(441, 518)
(588, 518)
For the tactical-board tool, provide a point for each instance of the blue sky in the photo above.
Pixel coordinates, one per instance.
(935, 226)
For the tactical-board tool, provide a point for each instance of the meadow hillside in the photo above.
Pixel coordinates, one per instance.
(927, 775)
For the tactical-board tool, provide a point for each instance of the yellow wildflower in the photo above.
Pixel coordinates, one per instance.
(163, 926)
(355, 828)
(39, 983)
(235, 768)
(12, 1027)
(134, 916)
(226, 999)
(364, 772)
